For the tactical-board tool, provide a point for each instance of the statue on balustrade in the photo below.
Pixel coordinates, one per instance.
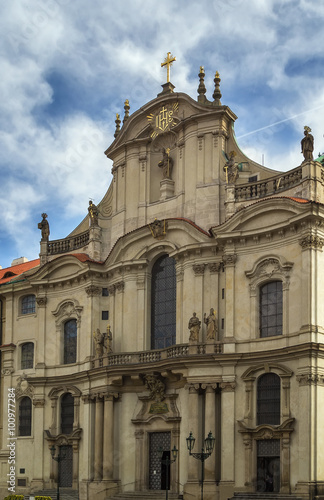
(108, 340)
(44, 227)
(231, 169)
(93, 214)
(194, 327)
(210, 321)
(99, 339)
(307, 144)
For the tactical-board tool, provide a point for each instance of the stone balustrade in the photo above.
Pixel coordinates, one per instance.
(68, 244)
(146, 357)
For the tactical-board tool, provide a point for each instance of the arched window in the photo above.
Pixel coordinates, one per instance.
(163, 303)
(25, 416)
(27, 355)
(70, 341)
(268, 399)
(67, 413)
(271, 309)
(28, 304)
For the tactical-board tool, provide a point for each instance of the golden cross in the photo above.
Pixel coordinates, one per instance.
(167, 62)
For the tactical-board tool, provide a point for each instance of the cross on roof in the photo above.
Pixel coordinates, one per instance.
(167, 62)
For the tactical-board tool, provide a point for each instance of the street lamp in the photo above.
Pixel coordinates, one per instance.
(206, 451)
(168, 461)
(58, 459)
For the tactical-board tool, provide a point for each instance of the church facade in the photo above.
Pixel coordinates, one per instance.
(188, 300)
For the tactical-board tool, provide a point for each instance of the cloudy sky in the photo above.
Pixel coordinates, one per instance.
(68, 66)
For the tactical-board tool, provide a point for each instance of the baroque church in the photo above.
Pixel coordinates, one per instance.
(183, 316)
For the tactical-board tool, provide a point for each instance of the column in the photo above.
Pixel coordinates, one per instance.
(43, 454)
(194, 428)
(108, 438)
(139, 462)
(199, 270)
(98, 438)
(210, 426)
(228, 438)
(229, 261)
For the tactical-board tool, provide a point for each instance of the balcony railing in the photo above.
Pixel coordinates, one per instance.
(267, 187)
(146, 357)
(68, 244)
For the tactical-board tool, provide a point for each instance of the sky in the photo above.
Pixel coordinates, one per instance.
(67, 67)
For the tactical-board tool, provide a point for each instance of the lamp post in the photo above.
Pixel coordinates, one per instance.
(57, 459)
(168, 461)
(206, 451)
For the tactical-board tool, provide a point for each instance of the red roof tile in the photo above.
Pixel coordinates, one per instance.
(13, 272)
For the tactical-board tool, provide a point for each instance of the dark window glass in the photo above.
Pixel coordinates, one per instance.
(268, 399)
(163, 303)
(25, 413)
(27, 355)
(105, 315)
(105, 292)
(67, 413)
(70, 341)
(271, 309)
(28, 304)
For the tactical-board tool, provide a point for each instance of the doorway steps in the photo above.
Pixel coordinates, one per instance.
(263, 496)
(144, 495)
(65, 494)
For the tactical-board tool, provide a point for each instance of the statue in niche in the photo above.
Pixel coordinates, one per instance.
(166, 164)
(194, 327)
(44, 227)
(210, 321)
(93, 214)
(156, 387)
(307, 144)
(231, 169)
(99, 339)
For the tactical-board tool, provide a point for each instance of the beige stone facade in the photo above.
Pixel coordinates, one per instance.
(227, 234)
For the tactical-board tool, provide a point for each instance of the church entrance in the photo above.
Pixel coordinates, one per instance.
(159, 473)
(66, 466)
(268, 465)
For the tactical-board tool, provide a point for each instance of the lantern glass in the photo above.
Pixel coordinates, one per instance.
(209, 443)
(190, 442)
(174, 452)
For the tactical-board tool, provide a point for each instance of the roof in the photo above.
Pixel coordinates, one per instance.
(12, 273)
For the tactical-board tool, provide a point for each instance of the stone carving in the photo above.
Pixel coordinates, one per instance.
(156, 387)
(210, 321)
(307, 144)
(103, 342)
(158, 228)
(44, 227)
(198, 269)
(93, 214)
(194, 327)
(312, 241)
(231, 169)
(166, 164)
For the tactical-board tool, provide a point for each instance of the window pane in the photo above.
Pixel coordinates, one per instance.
(25, 409)
(28, 304)
(67, 413)
(271, 309)
(163, 303)
(27, 355)
(268, 399)
(70, 341)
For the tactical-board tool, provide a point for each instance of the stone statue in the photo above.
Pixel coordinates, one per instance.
(93, 214)
(44, 227)
(231, 169)
(158, 228)
(210, 321)
(99, 342)
(166, 164)
(156, 387)
(307, 144)
(194, 327)
(108, 340)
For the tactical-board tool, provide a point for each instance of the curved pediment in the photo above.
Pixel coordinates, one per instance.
(64, 267)
(263, 216)
(170, 234)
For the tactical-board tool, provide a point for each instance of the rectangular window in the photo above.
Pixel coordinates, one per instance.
(105, 292)
(271, 309)
(105, 315)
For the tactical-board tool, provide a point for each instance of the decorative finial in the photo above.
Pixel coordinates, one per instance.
(201, 88)
(168, 62)
(126, 108)
(117, 121)
(217, 93)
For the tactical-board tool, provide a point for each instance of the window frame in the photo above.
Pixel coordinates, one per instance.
(262, 410)
(65, 360)
(265, 329)
(27, 312)
(30, 420)
(22, 346)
